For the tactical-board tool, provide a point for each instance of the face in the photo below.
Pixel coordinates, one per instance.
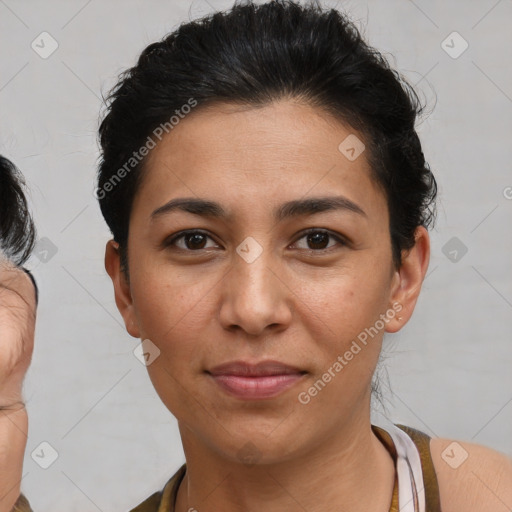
(296, 297)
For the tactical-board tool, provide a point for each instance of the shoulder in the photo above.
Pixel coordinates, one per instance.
(471, 476)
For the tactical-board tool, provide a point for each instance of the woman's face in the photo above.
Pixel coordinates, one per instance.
(254, 287)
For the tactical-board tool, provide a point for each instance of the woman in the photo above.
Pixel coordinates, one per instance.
(269, 199)
(269, 203)
(18, 299)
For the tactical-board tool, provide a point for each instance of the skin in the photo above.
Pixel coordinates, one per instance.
(17, 321)
(298, 303)
(483, 482)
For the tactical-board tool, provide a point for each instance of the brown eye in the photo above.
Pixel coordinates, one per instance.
(192, 241)
(195, 240)
(318, 240)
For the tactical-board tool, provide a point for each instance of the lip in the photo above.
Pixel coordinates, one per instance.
(255, 381)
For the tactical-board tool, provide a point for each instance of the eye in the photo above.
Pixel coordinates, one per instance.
(317, 238)
(193, 240)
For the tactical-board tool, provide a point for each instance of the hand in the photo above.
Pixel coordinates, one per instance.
(17, 325)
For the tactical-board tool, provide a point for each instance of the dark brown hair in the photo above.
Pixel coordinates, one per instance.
(255, 54)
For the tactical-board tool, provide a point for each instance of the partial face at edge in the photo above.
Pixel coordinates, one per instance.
(211, 297)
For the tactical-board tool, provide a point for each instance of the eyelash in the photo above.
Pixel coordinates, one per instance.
(341, 240)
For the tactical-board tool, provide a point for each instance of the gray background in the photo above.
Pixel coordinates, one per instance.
(90, 398)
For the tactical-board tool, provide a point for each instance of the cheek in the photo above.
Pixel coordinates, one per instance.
(340, 304)
(340, 316)
(167, 303)
(177, 313)
(346, 344)
(172, 315)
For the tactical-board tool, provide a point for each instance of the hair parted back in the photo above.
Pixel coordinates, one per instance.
(256, 54)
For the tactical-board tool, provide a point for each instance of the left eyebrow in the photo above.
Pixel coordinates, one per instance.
(314, 205)
(295, 208)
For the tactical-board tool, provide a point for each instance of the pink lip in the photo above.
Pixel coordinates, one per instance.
(266, 379)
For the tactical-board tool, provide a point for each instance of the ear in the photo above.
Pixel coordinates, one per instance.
(407, 280)
(122, 291)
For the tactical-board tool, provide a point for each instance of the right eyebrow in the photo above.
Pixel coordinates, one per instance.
(295, 208)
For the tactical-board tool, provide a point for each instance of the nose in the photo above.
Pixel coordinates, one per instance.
(255, 297)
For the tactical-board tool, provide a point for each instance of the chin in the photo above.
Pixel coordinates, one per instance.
(259, 450)
(260, 442)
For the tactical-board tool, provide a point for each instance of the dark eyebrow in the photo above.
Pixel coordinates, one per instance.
(314, 205)
(295, 208)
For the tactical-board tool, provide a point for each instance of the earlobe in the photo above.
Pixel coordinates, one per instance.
(122, 291)
(408, 279)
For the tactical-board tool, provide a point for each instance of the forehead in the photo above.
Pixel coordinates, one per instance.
(250, 157)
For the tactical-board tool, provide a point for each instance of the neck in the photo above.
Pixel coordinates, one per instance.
(352, 471)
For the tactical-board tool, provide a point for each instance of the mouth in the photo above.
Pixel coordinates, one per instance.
(263, 380)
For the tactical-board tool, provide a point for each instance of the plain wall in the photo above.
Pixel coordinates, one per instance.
(88, 396)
